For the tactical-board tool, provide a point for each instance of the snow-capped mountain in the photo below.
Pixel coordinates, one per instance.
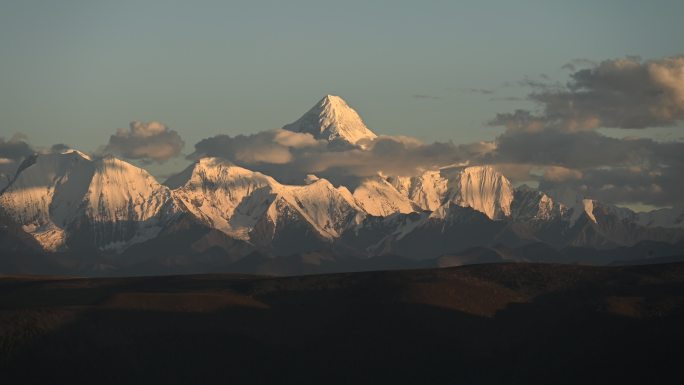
(216, 213)
(479, 187)
(256, 208)
(215, 191)
(54, 194)
(305, 218)
(483, 189)
(378, 197)
(428, 190)
(70, 201)
(534, 205)
(333, 120)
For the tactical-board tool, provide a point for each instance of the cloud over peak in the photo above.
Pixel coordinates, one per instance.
(147, 141)
(290, 156)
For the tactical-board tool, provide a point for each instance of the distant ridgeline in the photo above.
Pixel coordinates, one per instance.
(89, 215)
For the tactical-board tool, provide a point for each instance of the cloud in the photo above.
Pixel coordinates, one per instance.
(480, 91)
(625, 185)
(59, 147)
(540, 84)
(151, 141)
(290, 157)
(582, 149)
(614, 170)
(617, 93)
(572, 65)
(560, 174)
(12, 152)
(557, 146)
(508, 98)
(426, 97)
(561, 148)
(269, 147)
(295, 139)
(520, 120)
(15, 148)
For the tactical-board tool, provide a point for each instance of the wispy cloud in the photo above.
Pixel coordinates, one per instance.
(480, 91)
(426, 97)
(574, 64)
(508, 98)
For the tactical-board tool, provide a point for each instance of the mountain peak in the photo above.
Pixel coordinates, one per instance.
(485, 190)
(120, 203)
(333, 98)
(76, 152)
(333, 120)
(378, 197)
(215, 172)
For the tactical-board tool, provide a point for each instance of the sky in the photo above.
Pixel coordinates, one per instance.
(75, 72)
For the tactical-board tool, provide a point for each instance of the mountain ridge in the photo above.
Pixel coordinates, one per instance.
(71, 202)
(126, 205)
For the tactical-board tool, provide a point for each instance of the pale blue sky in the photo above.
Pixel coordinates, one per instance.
(75, 71)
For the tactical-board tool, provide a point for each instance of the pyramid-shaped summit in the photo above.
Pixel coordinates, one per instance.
(333, 120)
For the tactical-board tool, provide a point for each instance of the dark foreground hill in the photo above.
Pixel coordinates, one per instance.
(480, 324)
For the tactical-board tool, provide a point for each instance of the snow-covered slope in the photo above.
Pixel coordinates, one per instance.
(333, 120)
(243, 203)
(119, 203)
(378, 197)
(330, 210)
(125, 204)
(256, 208)
(534, 205)
(46, 195)
(428, 190)
(212, 190)
(582, 207)
(70, 201)
(303, 218)
(483, 189)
